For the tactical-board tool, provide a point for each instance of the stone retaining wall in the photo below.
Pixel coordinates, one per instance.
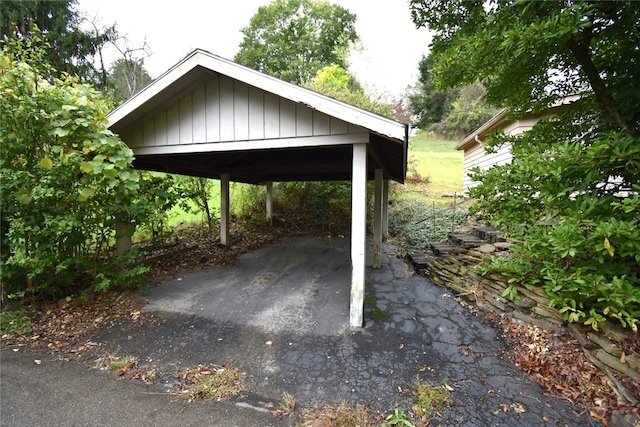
(454, 271)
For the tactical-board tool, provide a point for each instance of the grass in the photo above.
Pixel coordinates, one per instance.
(429, 399)
(212, 383)
(439, 164)
(121, 363)
(343, 415)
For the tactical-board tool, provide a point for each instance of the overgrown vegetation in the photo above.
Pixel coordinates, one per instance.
(65, 180)
(324, 206)
(570, 193)
(416, 224)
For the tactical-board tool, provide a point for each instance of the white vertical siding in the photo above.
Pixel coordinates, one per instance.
(271, 116)
(240, 111)
(304, 120)
(475, 156)
(287, 118)
(338, 127)
(186, 120)
(212, 106)
(173, 124)
(256, 113)
(226, 110)
(199, 116)
(321, 124)
(160, 127)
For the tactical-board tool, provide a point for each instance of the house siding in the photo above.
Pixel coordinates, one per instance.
(476, 156)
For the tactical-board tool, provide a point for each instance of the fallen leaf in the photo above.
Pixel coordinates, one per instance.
(518, 408)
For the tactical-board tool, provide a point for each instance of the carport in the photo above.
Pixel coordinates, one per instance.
(210, 117)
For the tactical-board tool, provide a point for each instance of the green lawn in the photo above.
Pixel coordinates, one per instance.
(434, 159)
(440, 164)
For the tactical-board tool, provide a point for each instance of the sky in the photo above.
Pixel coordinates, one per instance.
(391, 46)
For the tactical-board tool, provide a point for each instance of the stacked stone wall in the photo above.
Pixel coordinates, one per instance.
(455, 271)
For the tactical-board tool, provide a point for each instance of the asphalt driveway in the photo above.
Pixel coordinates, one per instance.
(281, 315)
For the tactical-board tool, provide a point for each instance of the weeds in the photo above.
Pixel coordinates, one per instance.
(429, 399)
(343, 415)
(14, 322)
(286, 407)
(212, 383)
(121, 364)
(398, 418)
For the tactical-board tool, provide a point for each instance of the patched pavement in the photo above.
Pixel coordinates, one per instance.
(281, 315)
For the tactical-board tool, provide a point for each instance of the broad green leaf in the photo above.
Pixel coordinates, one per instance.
(86, 167)
(46, 163)
(86, 193)
(23, 196)
(60, 132)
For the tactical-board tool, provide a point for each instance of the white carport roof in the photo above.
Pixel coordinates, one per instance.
(207, 116)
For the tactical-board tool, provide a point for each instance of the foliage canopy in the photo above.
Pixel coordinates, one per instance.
(571, 192)
(336, 82)
(293, 39)
(71, 49)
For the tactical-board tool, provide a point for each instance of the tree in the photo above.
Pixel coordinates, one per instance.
(428, 103)
(336, 82)
(466, 113)
(64, 179)
(71, 49)
(578, 170)
(293, 39)
(127, 77)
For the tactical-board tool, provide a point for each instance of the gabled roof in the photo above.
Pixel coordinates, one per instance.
(499, 121)
(296, 156)
(495, 122)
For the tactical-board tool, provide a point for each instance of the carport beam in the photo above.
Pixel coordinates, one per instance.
(358, 233)
(224, 209)
(377, 220)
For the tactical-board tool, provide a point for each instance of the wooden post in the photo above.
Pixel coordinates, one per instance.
(377, 221)
(385, 210)
(358, 233)
(270, 202)
(224, 209)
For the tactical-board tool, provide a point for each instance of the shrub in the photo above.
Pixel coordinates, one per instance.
(415, 224)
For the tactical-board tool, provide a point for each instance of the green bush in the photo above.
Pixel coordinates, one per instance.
(415, 224)
(323, 206)
(65, 180)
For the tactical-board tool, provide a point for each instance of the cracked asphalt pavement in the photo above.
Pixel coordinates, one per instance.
(281, 315)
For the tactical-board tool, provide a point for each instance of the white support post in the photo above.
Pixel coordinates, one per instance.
(358, 233)
(270, 202)
(377, 221)
(224, 209)
(385, 210)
